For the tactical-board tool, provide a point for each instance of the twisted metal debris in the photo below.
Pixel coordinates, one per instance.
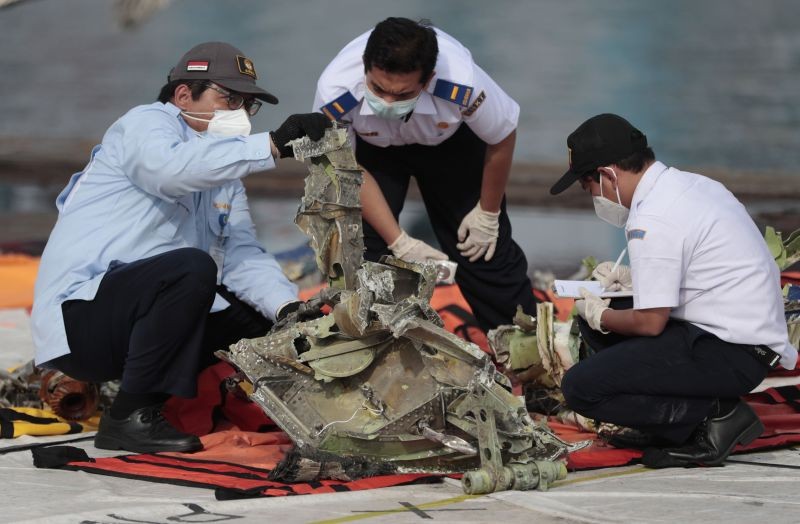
(377, 385)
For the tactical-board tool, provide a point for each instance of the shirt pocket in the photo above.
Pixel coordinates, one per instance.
(373, 131)
(171, 218)
(375, 140)
(218, 223)
(437, 129)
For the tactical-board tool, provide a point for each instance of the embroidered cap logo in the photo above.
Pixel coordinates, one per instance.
(246, 66)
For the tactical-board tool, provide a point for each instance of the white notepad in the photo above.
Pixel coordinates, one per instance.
(571, 289)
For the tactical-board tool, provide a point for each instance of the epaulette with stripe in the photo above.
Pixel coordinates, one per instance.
(341, 106)
(452, 92)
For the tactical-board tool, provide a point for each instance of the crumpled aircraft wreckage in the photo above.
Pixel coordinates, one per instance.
(376, 385)
(787, 254)
(537, 352)
(30, 387)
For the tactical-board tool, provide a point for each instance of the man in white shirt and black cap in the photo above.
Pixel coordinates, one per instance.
(419, 106)
(707, 322)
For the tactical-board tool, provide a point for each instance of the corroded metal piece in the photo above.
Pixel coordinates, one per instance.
(70, 399)
(32, 387)
(537, 352)
(377, 384)
(330, 211)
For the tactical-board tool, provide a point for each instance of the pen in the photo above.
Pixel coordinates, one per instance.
(616, 265)
(619, 259)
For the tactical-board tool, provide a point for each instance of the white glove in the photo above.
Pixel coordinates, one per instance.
(411, 249)
(591, 308)
(478, 233)
(618, 280)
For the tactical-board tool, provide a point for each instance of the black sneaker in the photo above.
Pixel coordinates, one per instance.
(144, 431)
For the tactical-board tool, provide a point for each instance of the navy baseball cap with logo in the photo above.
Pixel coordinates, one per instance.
(600, 141)
(223, 64)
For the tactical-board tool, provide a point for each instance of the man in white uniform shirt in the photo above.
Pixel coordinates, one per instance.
(419, 106)
(153, 263)
(707, 321)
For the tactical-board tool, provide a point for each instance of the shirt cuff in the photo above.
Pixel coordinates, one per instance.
(293, 308)
(258, 152)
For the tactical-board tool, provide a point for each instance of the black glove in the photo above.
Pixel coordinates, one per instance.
(297, 311)
(297, 126)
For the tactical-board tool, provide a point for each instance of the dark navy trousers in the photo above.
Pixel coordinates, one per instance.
(449, 177)
(663, 385)
(150, 325)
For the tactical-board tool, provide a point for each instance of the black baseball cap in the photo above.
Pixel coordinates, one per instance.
(223, 64)
(600, 141)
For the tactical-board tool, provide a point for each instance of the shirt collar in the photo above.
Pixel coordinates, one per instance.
(647, 182)
(175, 111)
(358, 94)
(425, 104)
(172, 109)
(365, 109)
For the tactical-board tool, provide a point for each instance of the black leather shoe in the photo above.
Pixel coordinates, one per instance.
(630, 438)
(712, 441)
(144, 431)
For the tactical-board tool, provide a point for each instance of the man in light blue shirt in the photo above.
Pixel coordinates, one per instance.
(154, 263)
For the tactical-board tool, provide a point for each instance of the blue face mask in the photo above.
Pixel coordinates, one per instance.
(389, 110)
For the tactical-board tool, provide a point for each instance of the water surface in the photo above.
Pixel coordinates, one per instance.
(712, 83)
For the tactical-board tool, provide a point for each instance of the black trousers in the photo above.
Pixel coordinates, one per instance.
(150, 325)
(449, 177)
(663, 385)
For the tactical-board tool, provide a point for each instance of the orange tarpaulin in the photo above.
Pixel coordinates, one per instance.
(17, 276)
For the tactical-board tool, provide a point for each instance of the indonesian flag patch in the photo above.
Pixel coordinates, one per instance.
(197, 65)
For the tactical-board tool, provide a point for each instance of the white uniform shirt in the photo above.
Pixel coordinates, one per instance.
(478, 100)
(694, 248)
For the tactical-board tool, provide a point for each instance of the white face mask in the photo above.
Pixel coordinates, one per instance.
(612, 212)
(390, 110)
(225, 122)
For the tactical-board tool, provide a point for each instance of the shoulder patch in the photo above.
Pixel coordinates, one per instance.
(636, 234)
(452, 92)
(341, 106)
(475, 105)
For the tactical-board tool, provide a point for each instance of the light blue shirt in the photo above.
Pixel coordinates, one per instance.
(154, 185)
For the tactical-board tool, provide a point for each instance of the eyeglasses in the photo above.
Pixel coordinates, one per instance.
(237, 101)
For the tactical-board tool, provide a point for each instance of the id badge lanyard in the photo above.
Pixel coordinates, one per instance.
(218, 254)
(217, 250)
